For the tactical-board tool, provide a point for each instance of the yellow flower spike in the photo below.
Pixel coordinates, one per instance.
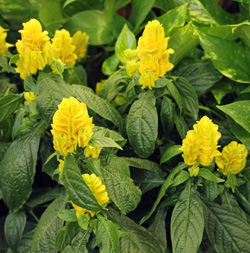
(194, 171)
(232, 158)
(61, 165)
(71, 126)
(34, 49)
(4, 46)
(99, 191)
(153, 54)
(30, 96)
(99, 86)
(63, 47)
(201, 143)
(92, 151)
(80, 41)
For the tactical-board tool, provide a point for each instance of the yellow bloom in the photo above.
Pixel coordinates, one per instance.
(201, 143)
(80, 41)
(194, 171)
(99, 191)
(92, 151)
(34, 49)
(131, 60)
(71, 126)
(61, 165)
(54, 68)
(153, 54)
(30, 96)
(232, 158)
(63, 48)
(3, 44)
(99, 86)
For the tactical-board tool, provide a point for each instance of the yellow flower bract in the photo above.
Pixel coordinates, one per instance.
(201, 143)
(99, 86)
(99, 191)
(34, 49)
(30, 96)
(80, 41)
(153, 54)
(232, 158)
(131, 60)
(4, 46)
(92, 151)
(63, 47)
(71, 126)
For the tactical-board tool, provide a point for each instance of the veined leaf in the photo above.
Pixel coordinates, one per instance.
(208, 175)
(138, 239)
(107, 236)
(187, 222)
(78, 191)
(48, 226)
(142, 125)
(103, 142)
(18, 168)
(170, 153)
(97, 104)
(227, 231)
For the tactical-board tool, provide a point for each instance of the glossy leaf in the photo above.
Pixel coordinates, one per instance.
(187, 222)
(174, 92)
(103, 142)
(78, 191)
(18, 168)
(142, 125)
(167, 114)
(110, 65)
(208, 175)
(170, 153)
(229, 57)
(180, 178)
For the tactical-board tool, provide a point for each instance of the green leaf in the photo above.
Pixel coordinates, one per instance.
(78, 191)
(120, 186)
(109, 66)
(68, 215)
(208, 12)
(144, 164)
(138, 238)
(99, 31)
(221, 89)
(183, 42)
(8, 104)
(174, 18)
(48, 226)
(180, 178)
(158, 227)
(125, 40)
(18, 168)
(167, 114)
(229, 57)
(142, 125)
(140, 10)
(52, 89)
(26, 242)
(107, 236)
(65, 235)
(208, 175)
(97, 104)
(174, 93)
(226, 230)
(50, 15)
(94, 165)
(181, 125)
(78, 244)
(231, 181)
(103, 142)
(187, 222)
(189, 97)
(242, 32)
(211, 190)
(83, 221)
(13, 229)
(170, 153)
(163, 189)
(239, 112)
(202, 75)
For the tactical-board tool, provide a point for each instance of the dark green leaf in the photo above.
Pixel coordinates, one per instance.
(187, 222)
(242, 32)
(13, 229)
(78, 191)
(170, 153)
(48, 226)
(142, 125)
(231, 181)
(211, 190)
(8, 104)
(174, 93)
(221, 89)
(180, 178)
(97, 104)
(99, 31)
(181, 125)
(208, 175)
(18, 168)
(167, 114)
(107, 236)
(226, 230)
(239, 112)
(94, 165)
(26, 242)
(229, 57)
